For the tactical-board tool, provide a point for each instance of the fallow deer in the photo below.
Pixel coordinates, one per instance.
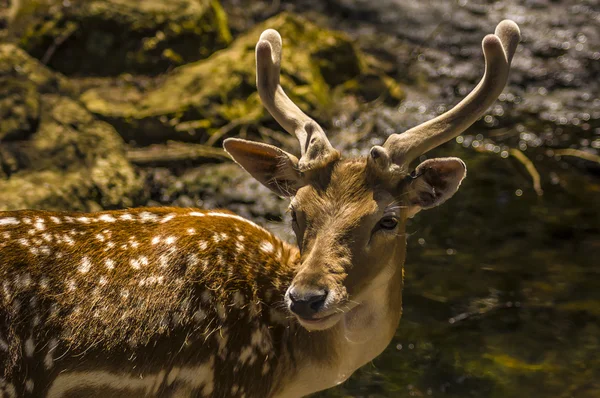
(186, 302)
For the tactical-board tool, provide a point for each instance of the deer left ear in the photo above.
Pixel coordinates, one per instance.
(274, 168)
(433, 182)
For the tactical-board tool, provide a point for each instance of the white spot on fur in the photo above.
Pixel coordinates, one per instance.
(152, 280)
(267, 247)
(85, 265)
(44, 283)
(166, 257)
(218, 237)
(222, 338)
(103, 281)
(22, 281)
(193, 260)
(9, 221)
(196, 214)
(203, 245)
(238, 299)
(170, 240)
(247, 354)
(110, 264)
(126, 217)
(135, 263)
(239, 247)
(55, 220)
(100, 237)
(221, 311)
(148, 217)
(191, 231)
(199, 315)
(39, 224)
(167, 218)
(107, 218)
(48, 359)
(3, 345)
(155, 240)
(29, 347)
(84, 220)
(206, 296)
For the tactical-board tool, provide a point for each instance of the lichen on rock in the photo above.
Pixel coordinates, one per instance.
(197, 100)
(54, 154)
(109, 37)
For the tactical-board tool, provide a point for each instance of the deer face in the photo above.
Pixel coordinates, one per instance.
(349, 233)
(349, 214)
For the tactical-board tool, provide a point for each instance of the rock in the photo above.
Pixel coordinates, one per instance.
(109, 37)
(54, 154)
(218, 95)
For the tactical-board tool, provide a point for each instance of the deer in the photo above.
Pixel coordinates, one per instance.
(184, 302)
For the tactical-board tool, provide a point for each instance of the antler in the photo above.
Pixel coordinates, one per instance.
(316, 151)
(498, 49)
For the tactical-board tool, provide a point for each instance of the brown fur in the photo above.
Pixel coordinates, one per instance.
(56, 284)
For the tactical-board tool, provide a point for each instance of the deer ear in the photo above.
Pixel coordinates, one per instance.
(269, 165)
(434, 181)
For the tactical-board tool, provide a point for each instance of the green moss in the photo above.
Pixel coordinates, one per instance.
(221, 89)
(108, 37)
(64, 158)
(516, 365)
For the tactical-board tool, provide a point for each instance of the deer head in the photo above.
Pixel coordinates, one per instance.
(349, 215)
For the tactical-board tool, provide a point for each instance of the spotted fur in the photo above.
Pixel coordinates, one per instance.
(123, 300)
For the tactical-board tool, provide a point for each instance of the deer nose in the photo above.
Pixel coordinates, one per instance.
(307, 303)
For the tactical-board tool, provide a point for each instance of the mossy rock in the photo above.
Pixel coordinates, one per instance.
(109, 37)
(54, 154)
(198, 100)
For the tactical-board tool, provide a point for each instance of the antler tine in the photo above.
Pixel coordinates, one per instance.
(311, 136)
(498, 50)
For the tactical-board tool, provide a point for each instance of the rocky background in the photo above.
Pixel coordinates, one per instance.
(107, 104)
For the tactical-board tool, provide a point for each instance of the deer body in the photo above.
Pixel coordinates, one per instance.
(190, 303)
(160, 302)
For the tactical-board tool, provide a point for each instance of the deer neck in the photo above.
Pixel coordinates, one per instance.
(318, 360)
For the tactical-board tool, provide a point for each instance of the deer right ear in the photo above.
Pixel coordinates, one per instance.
(434, 182)
(269, 165)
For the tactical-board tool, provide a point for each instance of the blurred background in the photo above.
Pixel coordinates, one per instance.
(106, 104)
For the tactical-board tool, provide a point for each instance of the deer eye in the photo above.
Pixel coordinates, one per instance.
(388, 223)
